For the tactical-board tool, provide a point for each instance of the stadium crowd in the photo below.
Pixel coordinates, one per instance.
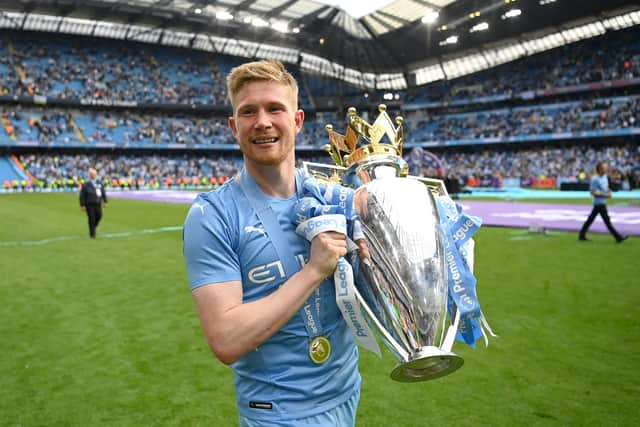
(128, 171)
(489, 167)
(77, 69)
(472, 168)
(66, 67)
(588, 115)
(611, 57)
(84, 69)
(124, 128)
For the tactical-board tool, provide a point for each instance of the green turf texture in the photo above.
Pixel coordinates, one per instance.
(103, 332)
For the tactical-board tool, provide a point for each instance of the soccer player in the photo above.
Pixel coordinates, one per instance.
(600, 191)
(264, 296)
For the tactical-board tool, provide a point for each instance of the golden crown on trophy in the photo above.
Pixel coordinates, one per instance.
(345, 150)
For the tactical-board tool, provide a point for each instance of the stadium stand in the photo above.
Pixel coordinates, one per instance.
(591, 118)
(65, 99)
(540, 167)
(611, 57)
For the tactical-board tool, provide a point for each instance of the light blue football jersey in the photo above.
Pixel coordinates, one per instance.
(224, 240)
(600, 183)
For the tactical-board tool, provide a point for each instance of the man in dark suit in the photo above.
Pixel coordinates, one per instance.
(92, 197)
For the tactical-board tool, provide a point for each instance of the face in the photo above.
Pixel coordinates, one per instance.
(265, 123)
(92, 174)
(604, 168)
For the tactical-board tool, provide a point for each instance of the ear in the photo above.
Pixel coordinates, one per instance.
(232, 125)
(299, 119)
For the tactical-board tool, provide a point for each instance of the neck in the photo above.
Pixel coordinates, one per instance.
(276, 181)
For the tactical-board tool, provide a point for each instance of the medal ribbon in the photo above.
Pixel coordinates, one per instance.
(329, 207)
(343, 276)
(310, 311)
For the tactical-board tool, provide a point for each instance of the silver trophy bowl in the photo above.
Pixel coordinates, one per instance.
(402, 283)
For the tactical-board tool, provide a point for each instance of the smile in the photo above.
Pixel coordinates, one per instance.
(264, 140)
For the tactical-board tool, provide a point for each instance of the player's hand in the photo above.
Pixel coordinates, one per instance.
(363, 249)
(326, 249)
(360, 202)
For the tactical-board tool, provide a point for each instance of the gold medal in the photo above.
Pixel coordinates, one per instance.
(319, 349)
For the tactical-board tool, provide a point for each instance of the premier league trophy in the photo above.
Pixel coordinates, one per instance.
(413, 266)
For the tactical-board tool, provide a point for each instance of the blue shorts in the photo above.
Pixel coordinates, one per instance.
(343, 415)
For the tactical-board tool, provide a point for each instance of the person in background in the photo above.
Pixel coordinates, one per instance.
(92, 197)
(600, 191)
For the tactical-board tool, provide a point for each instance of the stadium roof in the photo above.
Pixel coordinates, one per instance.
(393, 36)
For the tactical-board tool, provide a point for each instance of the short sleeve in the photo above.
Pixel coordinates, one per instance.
(208, 243)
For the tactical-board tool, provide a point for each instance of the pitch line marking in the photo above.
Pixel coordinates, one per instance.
(102, 236)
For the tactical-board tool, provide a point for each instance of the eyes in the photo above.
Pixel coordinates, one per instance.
(252, 110)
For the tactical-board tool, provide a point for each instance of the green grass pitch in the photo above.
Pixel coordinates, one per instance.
(104, 333)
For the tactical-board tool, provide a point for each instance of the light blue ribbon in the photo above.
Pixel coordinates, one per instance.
(457, 230)
(326, 208)
(311, 310)
(326, 199)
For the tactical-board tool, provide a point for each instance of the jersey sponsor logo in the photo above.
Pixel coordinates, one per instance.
(266, 272)
(271, 271)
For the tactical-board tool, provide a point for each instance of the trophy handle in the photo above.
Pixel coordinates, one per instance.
(449, 339)
(402, 353)
(324, 172)
(436, 186)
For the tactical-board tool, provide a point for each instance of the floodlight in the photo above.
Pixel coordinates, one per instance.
(430, 17)
(280, 26)
(512, 13)
(223, 15)
(449, 40)
(479, 27)
(259, 22)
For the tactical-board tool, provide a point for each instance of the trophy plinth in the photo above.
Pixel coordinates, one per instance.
(427, 364)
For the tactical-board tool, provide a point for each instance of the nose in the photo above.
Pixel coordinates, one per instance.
(263, 121)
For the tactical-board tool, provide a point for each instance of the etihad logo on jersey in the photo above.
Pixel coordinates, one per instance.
(271, 271)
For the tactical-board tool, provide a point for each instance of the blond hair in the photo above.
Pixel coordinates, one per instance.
(266, 70)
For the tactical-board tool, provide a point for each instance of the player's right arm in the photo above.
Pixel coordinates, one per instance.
(233, 328)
